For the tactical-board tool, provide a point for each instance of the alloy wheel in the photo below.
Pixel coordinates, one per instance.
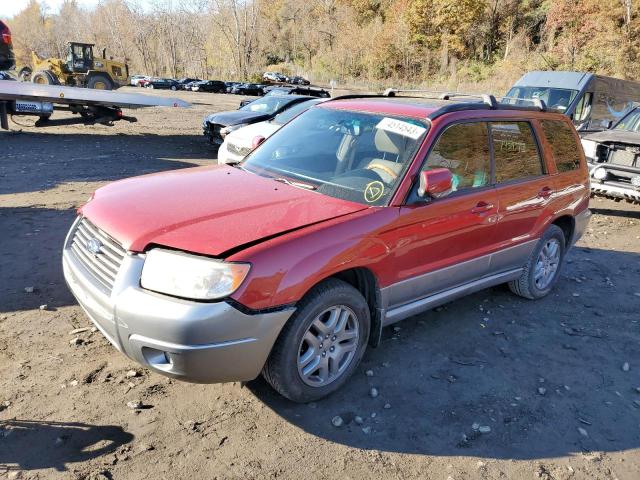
(547, 264)
(329, 346)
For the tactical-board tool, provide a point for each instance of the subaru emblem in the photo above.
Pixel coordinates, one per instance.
(94, 245)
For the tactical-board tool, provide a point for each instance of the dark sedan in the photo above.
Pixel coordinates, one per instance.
(299, 81)
(186, 81)
(217, 125)
(214, 86)
(164, 83)
(288, 90)
(248, 89)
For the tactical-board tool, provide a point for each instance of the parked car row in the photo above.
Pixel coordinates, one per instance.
(238, 88)
(275, 77)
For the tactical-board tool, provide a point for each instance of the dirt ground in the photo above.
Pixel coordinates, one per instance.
(557, 381)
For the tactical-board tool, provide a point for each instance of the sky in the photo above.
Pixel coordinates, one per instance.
(9, 8)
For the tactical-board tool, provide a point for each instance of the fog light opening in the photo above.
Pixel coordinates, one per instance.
(600, 174)
(168, 359)
(157, 358)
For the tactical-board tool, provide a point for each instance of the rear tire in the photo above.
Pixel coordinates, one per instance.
(100, 82)
(45, 77)
(321, 345)
(542, 270)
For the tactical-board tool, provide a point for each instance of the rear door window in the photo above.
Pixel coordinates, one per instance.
(563, 145)
(463, 148)
(515, 151)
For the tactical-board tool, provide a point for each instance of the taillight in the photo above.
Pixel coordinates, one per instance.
(5, 34)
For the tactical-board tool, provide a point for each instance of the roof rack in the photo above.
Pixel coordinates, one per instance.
(536, 102)
(487, 101)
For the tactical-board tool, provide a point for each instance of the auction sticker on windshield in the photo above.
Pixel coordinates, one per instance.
(374, 191)
(400, 127)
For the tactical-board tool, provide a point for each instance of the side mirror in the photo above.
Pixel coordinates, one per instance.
(257, 141)
(435, 183)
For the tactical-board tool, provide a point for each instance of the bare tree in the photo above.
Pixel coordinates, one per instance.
(238, 22)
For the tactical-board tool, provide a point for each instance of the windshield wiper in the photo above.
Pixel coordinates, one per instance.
(306, 186)
(236, 165)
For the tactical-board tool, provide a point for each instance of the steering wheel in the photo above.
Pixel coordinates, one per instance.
(385, 169)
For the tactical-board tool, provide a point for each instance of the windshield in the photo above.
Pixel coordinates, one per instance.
(354, 156)
(267, 104)
(630, 123)
(293, 111)
(559, 98)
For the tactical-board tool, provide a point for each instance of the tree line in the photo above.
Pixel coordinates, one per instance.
(367, 42)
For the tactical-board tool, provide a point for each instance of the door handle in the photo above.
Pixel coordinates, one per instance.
(545, 192)
(482, 207)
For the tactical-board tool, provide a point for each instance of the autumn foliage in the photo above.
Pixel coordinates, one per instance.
(367, 42)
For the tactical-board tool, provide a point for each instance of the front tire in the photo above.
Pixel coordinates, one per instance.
(100, 82)
(542, 270)
(321, 345)
(45, 77)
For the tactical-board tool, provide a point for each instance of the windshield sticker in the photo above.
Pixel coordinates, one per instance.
(399, 127)
(373, 191)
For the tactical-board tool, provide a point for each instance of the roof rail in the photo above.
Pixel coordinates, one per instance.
(356, 95)
(487, 99)
(392, 92)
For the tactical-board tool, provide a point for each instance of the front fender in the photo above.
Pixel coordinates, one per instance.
(284, 269)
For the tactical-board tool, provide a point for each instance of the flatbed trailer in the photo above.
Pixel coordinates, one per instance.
(91, 106)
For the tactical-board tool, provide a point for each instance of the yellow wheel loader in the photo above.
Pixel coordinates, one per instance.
(79, 69)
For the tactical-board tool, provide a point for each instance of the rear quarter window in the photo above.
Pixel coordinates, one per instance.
(563, 144)
(515, 151)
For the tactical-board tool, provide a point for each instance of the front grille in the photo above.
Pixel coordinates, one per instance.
(236, 150)
(105, 263)
(623, 157)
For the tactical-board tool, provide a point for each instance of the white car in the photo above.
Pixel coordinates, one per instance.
(135, 79)
(240, 143)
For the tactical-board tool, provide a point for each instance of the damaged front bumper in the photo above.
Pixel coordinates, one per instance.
(615, 181)
(191, 341)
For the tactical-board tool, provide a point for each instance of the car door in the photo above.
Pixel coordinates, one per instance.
(525, 190)
(447, 241)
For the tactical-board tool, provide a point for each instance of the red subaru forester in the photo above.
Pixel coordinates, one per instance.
(357, 214)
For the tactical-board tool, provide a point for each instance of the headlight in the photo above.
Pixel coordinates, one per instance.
(227, 130)
(589, 147)
(600, 174)
(191, 276)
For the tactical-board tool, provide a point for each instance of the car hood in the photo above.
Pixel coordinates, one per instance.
(237, 116)
(621, 136)
(244, 136)
(207, 210)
